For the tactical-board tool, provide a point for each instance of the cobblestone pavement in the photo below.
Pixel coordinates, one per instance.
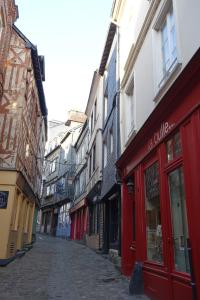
(65, 270)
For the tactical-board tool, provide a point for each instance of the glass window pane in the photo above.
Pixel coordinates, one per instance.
(179, 220)
(170, 150)
(177, 145)
(165, 48)
(173, 147)
(153, 216)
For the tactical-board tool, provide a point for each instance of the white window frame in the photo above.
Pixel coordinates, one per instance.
(130, 106)
(53, 165)
(105, 154)
(48, 190)
(111, 142)
(171, 43)
(105, 107)
(160, 74)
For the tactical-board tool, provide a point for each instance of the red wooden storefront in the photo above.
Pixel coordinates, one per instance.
(78, 215)
(161, 216)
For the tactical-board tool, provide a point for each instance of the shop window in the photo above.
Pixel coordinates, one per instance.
(179, 220)
(173, 147)
(153, 215)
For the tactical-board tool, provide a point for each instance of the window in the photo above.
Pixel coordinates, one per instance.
(91, 122)
(90, 165)
(95, 111)
(168, 34)
(53, 165)
(66, 151)
(60, 187)
(153, 215)
(48, 190)
(173, 147)
(27, 150)
(83, 151)
(2, 24)
(52, 189)
(130, 108)
(179, 220)
(165, 45)
(94, 158)
(111, 141)
(94, 219)
(105, 106)
(105, 154)
(77, 186)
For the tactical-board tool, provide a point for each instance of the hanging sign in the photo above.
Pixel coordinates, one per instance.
(3, 199)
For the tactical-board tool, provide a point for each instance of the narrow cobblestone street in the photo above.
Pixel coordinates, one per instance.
(60, 269)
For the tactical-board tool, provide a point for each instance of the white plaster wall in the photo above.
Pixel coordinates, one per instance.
(96, 134)
(147, 94)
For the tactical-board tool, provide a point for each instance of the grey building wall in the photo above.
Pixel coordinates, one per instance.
(110, 125)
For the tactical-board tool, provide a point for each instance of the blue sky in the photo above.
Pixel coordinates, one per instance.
(71, 35)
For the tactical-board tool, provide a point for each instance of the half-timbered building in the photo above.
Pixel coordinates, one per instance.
(23, 135)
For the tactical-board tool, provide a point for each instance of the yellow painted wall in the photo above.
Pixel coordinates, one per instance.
(17, 219)
(7, 183)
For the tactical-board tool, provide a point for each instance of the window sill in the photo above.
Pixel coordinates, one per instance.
(167, 80)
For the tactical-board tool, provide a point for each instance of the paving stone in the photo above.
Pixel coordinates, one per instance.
(65, 270)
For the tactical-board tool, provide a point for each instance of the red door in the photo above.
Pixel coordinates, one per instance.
(168, 266)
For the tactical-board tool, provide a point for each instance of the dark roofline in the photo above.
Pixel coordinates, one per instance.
(80, 134)
(37, 72)
(53, 150)
(96, 76)
(107, 47)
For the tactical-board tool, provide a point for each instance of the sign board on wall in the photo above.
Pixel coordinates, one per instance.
(3, 199)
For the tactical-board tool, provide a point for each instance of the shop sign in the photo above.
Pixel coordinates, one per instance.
(165, 128)
(3, 199)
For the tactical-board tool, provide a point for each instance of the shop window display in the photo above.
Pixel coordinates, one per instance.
(153, 215)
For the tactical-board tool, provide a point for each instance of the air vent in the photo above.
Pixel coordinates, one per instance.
(12, 248)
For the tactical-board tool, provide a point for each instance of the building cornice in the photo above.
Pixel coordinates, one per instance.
(135, 49)
(107, 48)
(93, 89)
(52, 151)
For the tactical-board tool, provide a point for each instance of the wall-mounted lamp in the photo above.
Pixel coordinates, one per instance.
(130, 185)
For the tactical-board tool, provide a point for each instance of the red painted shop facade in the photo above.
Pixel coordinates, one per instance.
(161, 215)
(78, 215)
